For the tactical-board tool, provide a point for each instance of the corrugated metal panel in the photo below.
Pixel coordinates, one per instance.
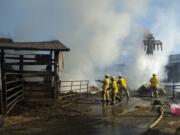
(49, 45)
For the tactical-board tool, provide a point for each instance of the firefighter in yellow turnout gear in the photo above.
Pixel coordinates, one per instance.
(154, 85)
(123, 86)
(105, 91)
(114, 90)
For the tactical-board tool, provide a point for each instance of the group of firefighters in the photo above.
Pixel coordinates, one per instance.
(116, 88)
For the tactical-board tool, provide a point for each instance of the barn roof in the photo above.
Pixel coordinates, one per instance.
(47, 45)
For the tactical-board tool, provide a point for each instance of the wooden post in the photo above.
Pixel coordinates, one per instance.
(21, 71)
(80, 86)
(1, 92)
(71, 85)
(3, 82)
(59, 92)
(56, 79)
(21, 64)
(51, 59)
(87, 88)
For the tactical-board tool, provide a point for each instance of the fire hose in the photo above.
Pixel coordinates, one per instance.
(161, 114)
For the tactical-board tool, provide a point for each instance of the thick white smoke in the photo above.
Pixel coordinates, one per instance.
(99, 43)
(116, 37)
(100, 34)
(141, 66)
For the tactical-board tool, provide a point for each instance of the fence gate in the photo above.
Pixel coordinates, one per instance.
(11, 91)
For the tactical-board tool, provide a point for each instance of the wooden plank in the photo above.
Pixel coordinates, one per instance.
(37, 82)
(37, 72)
(16, 58)
(34, 46)
(30, 63)
(38, 75)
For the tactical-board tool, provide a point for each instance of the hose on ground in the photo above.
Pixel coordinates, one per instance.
(158, 119)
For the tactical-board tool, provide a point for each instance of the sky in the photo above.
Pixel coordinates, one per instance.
(100, 33)
(167, 9)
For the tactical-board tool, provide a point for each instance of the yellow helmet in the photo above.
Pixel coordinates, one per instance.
(113, 78)
(106, 75)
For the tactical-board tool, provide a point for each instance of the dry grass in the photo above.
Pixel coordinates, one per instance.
(30, 115)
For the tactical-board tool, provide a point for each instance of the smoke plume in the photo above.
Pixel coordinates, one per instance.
(100, 34)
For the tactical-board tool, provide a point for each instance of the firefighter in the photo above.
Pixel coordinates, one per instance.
(154, 85)
(122, 85)
(114, 90)
(105, 90)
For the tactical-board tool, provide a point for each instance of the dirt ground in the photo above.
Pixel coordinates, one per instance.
(88, 116)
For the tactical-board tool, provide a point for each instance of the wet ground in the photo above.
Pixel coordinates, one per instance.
(88, 116)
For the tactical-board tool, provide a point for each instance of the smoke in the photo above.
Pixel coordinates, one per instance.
(140, 66)
(100, 34)
(100, 44)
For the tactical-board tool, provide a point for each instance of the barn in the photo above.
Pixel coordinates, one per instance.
(29, 71)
